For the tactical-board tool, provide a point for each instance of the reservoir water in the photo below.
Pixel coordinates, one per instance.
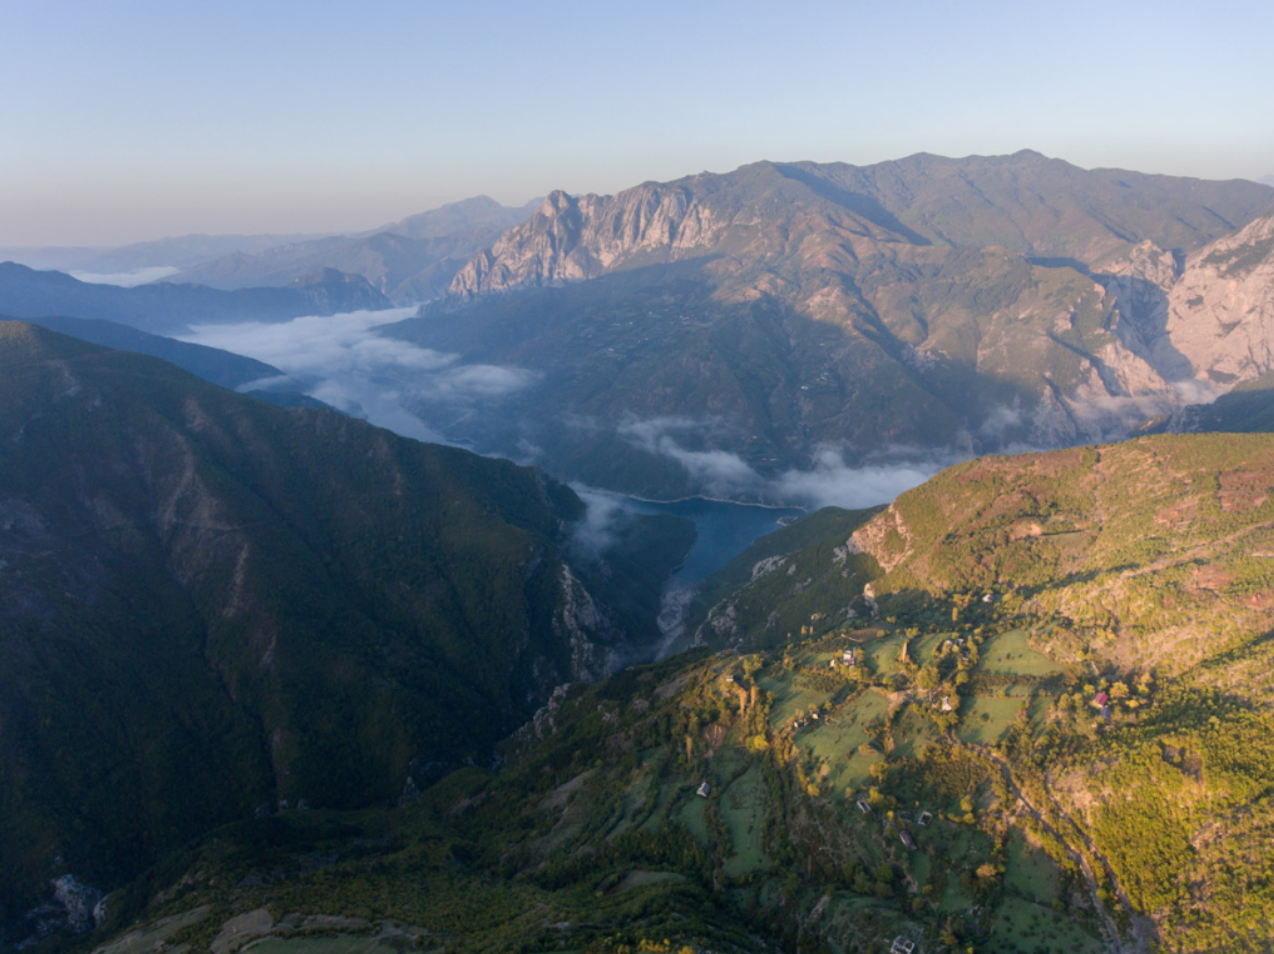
(723, 531)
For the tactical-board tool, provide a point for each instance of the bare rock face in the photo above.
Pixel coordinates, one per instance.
(575, 238)
(1220, 313)
(1203, 321)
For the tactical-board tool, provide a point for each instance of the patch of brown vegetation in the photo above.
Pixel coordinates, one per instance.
(1244, 490)
(1180, 514)
(466, 803)
(672, 687)
(714, 735)
(1263, 600)
(1007, 504)
(1057, 463)
(1241, 501)
(1022, 529)
(1210, 577)
(559, 796)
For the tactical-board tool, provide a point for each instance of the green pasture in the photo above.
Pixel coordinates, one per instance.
(743, 810)
(790, 698)
(984, 719)
(1010, 653)
(1030, 872)
(1024, 927)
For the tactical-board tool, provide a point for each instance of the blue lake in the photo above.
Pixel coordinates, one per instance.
(723, 529)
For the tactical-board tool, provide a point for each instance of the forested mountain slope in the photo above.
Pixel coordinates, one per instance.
(211, 607)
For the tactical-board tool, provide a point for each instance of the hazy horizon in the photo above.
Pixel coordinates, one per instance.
(360, 228)
(155, 121)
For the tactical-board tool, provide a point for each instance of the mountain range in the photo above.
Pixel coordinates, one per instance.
(757, 319)
(180, 251)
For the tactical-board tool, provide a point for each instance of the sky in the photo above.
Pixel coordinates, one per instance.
(133, 120)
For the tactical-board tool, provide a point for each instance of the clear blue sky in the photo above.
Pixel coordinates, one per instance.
(131, 120)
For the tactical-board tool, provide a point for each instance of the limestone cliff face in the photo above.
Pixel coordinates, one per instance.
(1220, 313)
(1206, 318)
(763, 217)
(574, 238)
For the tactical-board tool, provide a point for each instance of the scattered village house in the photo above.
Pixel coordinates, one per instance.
(703, 790)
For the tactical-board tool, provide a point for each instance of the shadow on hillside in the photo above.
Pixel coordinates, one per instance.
(1145, 306)
(649, 381)
(1246, 411)
(855, 202)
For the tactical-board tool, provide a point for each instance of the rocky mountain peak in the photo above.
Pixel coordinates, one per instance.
(576, 238)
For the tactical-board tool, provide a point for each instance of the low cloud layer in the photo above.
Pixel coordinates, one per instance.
(721, 472)
(595, 533)
(831, 482)
(138, 276)
(344, 362)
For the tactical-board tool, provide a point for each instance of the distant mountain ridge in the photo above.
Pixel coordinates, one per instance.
(767, 315)
(178, 251)
(409, 261)
(168, 308)
(1025, 203)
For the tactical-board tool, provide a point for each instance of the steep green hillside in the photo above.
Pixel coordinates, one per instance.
(769, 591)
(1061, 701)
(213, 607)
(212, 364)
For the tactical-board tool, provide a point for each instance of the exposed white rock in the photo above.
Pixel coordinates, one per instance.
(767, 566)
(1220, 314)
(586, 627)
